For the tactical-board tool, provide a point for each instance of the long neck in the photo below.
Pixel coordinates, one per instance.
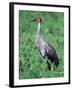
(38, 30)
(38, 38)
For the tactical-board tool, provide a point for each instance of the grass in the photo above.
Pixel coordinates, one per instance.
(31, 65)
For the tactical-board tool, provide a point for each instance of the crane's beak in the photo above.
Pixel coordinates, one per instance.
(33, 20)
(37, 19)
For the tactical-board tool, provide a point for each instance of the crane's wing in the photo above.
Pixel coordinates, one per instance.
(50, 52)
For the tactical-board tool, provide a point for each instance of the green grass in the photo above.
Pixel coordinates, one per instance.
(31, 65)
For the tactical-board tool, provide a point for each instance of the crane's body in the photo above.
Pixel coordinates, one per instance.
(45, 49)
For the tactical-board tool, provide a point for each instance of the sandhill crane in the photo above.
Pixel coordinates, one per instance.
(45, 49)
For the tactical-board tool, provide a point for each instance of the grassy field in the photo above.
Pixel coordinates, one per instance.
(31, 65)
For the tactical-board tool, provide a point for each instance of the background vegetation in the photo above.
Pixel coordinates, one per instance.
(31, 65)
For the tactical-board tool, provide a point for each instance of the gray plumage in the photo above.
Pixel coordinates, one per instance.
(45, 49)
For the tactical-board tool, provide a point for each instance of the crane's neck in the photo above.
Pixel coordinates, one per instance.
(39, 40)
(38, 30)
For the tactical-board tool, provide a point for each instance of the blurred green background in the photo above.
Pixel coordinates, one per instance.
(31, 65)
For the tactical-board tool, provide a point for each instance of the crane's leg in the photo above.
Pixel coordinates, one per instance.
(53, 67)
(48, 65)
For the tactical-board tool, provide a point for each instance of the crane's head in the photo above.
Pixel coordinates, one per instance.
(37, 19)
